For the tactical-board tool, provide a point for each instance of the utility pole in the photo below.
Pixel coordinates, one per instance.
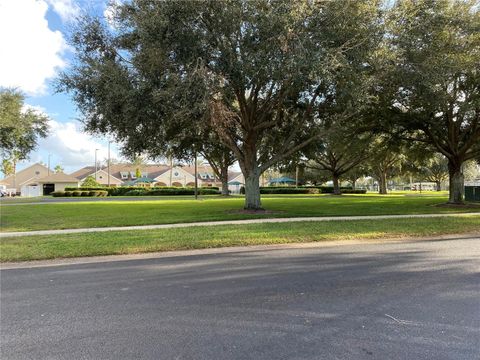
(196, 176)
(296, 176)
(49, 164)
(171, 170)
(108, 165)
(96, 164)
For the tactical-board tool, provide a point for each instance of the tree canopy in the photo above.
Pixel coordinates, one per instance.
(430, 80)
(20, 126)
(257, 72)
(259, 81)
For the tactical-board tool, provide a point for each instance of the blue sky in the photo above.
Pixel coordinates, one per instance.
(34, 50)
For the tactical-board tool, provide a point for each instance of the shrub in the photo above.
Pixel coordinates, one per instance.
(85, 193)
(90, 182)
(121, 191)
(356, 191)
(208, 191)
(86, 188)
(68, 193)
(286, 190)
(76, 193)
(58, 193)
(173, 191)
(136, 192)
(92, 193)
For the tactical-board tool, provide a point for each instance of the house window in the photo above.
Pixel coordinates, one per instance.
(175, 173)
(132, 175)
(124, 175)
(100, 177)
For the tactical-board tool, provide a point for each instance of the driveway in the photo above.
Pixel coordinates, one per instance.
(416, 300)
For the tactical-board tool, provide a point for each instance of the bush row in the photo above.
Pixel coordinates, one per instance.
(305, 190)
(287, 190)
(79, 193)
(169, 191)
(135, 190)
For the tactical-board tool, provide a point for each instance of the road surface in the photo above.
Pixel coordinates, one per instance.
(417, 300)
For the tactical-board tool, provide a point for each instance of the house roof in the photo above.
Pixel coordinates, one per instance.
(150, 170)
(34, 171)
(82, 173)
(232, 175)
(58, 178)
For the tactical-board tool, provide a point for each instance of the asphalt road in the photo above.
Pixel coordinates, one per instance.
(417, 300)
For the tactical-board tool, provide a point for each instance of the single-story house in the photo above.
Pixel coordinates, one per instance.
(101, 176)
(235, 181)
(48, 184)
(14, 183)
(125, 174)
(176, 176)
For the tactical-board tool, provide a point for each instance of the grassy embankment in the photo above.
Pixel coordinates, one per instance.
(125, 213)
(131, 242)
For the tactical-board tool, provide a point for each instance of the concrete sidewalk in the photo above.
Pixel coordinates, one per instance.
(229, 222)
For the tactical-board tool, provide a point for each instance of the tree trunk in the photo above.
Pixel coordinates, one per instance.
(354, 184)
(438, 185)
(456, 182)
(336, 185)
(224, 180)
(382, 183)
(252, 191)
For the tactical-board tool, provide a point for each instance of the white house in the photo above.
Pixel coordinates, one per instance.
(101, 176)
(176, 176)
(48, 184)
(235, 181)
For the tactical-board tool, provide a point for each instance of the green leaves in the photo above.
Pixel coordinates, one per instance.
(20, 127)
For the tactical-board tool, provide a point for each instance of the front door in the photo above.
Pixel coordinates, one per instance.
(48, 189)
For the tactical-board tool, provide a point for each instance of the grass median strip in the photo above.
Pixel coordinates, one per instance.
(126, 213)
(131, 242)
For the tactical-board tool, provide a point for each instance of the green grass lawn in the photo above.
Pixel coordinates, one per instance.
(130, 242)
(124, 213)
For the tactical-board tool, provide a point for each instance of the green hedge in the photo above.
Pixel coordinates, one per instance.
(356, 191)
(305, 190)
(79, 193)
(287, 190)
(139, 191)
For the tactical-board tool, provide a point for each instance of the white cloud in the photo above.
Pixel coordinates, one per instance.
(66, 9)
(31, 52)
(72, 147)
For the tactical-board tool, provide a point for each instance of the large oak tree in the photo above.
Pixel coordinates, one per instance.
(431, 80)
(256, 71)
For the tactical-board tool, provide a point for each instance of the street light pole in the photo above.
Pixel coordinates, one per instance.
(96, 164)
(296, 176)
(196, 176)
(108, 164)
(49, 164)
